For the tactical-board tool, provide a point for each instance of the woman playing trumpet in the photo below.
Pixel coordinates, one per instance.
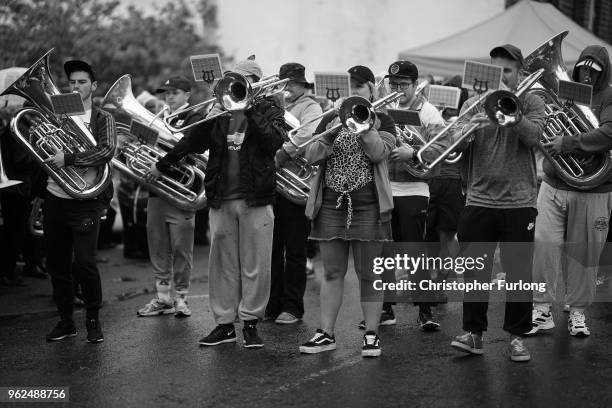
(350, 207)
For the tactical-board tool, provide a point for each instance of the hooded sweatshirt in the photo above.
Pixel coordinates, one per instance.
(597, 140)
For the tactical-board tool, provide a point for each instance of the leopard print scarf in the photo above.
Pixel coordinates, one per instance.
(348, 169)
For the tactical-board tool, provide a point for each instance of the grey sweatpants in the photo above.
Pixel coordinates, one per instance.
(571, 230)
(240, 260)
(170, 238)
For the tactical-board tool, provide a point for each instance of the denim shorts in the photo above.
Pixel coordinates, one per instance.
(366, 225)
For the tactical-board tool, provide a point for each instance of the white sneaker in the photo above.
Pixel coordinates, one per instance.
(156, 307)
(180, 305)
(541, 321)
(576, 324)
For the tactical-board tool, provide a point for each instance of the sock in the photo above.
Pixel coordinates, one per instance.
(251, 323)
(543, 307)
(163, 290)
(91, 314)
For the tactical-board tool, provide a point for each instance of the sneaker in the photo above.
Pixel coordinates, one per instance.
(541, 321)
(223, 333)
(94, 331)
(371, 345)
(286, 318)
(518, 351)
(468, 343)
(63, 330)
(180, 307)
(576, 324)
(251, 338)
(387, 318)
(320, 342)
(156, 307)
(426, 319)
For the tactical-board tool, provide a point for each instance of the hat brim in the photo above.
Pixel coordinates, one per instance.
(399, 76)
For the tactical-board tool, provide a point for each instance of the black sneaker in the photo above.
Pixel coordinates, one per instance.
(371, 345)
(320, 342)
(251, 338)
(62, 330)
(223, 333)
(426, 319)
(94, 331)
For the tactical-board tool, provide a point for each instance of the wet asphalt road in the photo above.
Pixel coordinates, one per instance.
(156, 362)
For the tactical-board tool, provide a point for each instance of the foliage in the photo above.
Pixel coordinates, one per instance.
(115, 40)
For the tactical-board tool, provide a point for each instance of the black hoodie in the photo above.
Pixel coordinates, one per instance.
(597, 140)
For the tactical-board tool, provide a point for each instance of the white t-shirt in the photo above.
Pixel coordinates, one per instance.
(87, 173)
(429, 115)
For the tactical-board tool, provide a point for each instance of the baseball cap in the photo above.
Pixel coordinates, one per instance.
(178, 82)
(510, 51)
(590, 63)
(361, 74)
(248, 67)
(403, 69)
(78, 65)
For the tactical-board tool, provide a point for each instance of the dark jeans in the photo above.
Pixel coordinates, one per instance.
(479, 231)
(291, 230)
(71, 230)
(408, 224)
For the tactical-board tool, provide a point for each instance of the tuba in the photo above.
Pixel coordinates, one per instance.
(581, 171)
(184, 187)
(47, 133)
(295, 185)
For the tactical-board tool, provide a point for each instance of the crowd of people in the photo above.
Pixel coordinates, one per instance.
(363, 195)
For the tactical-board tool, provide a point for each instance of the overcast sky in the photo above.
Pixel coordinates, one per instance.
(332, 35)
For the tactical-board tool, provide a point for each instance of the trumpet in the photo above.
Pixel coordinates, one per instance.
(356, 113)
(502, 108)
(234, 92)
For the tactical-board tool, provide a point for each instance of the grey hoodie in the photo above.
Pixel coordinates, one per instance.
(597, 140)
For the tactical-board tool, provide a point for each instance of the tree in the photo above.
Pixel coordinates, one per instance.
(114, 42)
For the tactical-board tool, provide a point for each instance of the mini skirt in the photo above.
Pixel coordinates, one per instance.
(366, 225)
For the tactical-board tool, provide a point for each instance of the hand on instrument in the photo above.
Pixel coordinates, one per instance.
(403, 153)
(554, 147)
(481, 119)
(57, 160)
(153, 173)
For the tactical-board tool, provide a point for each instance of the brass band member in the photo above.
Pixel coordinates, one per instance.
(71, 226)
(574, 219)
(170, 230)
(500, 208)
(240, 185)
(286, 304)
(350, 207)
(411, 194)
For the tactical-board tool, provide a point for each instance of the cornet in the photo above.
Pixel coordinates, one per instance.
(234, 92)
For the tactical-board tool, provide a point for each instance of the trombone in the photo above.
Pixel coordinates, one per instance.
(234, 92)
(502, 107)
